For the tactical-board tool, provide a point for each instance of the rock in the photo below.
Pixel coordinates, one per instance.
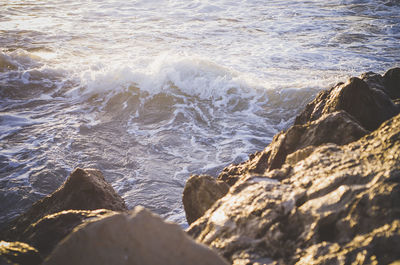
(397, 103)
(200, 193)
(85, 189)
(375, 81)
(392, 83)
(4, 261)
(234, 226)
(337, 127)
(138, 237)
(314, 109)
(338, 205)
(299, 155)
(18, 253)
(369, 106)
(49, 230)
(379, 246)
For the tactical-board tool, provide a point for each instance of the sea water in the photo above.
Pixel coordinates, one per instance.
(152, 91)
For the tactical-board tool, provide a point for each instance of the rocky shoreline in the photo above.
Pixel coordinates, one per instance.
(325, 191)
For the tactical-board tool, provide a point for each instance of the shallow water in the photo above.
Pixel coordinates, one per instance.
(150, 92)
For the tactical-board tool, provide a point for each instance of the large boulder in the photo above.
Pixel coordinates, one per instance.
(339, 115)
(392, 83)
(338, 205)
(200, 193)
(85, 189)
(337, 127)
(49, 230)
(388, 83)
(138, 237)
(18, 253)
(369, 105)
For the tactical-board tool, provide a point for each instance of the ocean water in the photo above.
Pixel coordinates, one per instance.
(152, 91)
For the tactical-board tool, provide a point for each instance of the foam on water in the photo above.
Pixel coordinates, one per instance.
(167, 73)
(150, 92)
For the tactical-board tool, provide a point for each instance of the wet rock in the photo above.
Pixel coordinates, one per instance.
(200, 193)
(49, 230)
(85, 189)
(369, 106)
(338, 205)
(18, 253)
(138, 237)
(337, 127)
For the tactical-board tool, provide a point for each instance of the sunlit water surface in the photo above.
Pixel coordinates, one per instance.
(150, 92)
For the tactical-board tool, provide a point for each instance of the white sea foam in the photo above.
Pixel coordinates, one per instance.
(18, 59)
(171, 73)
(153, 91)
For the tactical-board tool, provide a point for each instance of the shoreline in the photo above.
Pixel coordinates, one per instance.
(307, 198)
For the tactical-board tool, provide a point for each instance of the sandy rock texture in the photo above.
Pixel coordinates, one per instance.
(325, 191)
(342, 197)
(200, 193)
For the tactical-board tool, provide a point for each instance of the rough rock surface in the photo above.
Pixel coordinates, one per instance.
(139, 237)
(366, 101)
(49, 230)
(85, 189)
(339, 115)
(18, 253)
(339, 205)
(200, 193)
(337, 127)
(318, 194)
(392, 83)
